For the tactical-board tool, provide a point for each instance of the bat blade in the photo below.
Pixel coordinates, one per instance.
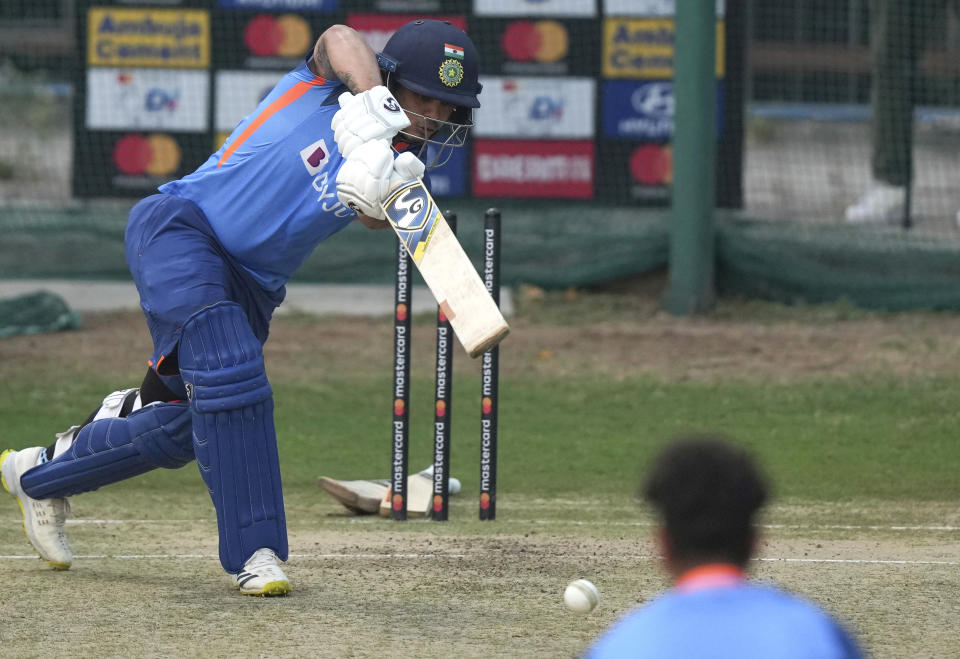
(445, 267)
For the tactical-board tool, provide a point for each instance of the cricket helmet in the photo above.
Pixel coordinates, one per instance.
(436, 59)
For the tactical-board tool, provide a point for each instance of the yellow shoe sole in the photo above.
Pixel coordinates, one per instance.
(3, 458)
(272, 589)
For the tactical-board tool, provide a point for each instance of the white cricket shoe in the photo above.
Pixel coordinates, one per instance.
(881, 203)
(261, 575)
(43, 519)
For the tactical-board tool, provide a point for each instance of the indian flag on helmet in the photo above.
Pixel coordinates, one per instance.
(452, 51)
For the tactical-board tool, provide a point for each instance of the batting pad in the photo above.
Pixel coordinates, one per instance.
(221, 362)
(113, 449)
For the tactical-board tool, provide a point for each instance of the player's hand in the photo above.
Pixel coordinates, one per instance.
(372, 115)
(364, 178)
(406, 167)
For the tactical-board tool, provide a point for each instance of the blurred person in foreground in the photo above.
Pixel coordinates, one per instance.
(900, 32)
(211, 255)
(707, 493)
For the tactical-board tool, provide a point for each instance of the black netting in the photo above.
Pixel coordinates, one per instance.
(573, 142)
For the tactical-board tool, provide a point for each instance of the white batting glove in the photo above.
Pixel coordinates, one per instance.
(364, 178)
(372, 115)
(406, 166)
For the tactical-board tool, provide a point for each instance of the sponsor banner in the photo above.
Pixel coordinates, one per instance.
(635, 172)
(638, 110)
(644, 110)
(546, 46)
(166, 38)
(652, 8)
(264, 41)
(376, 29)
(276, 40)
(652, 165)
(535, 7)
(644, 48)
(536, 107)
(134, 163)
(535, 41)
(535, 44)
(450, 179)
(238, 93)
(156, 155)
(281, 5)
(533, 169)
(147, 99)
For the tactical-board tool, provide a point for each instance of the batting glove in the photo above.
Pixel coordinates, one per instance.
(406, 167)
(364, 178)
(372, 115)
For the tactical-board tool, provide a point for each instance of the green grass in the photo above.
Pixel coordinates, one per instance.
(825, 440)
(828, 440)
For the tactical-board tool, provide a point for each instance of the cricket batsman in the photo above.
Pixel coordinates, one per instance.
(210, 255)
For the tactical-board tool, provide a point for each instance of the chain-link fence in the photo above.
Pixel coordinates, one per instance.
(837, 128)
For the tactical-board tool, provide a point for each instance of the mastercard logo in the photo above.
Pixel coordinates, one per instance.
(486, 405)
(540, 41)
(484, 500)
(286, 36)
(437, 502)
(652, 165)
(399, 406)
(401, 312)
(156, 155)
(397, 501)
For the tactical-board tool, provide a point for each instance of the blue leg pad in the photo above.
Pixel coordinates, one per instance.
(114, 449)
(221, 362)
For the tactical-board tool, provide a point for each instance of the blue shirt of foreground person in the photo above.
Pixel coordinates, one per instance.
(707, 493)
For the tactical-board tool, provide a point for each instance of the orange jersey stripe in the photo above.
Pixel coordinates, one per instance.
(710, 575)
(285, 99)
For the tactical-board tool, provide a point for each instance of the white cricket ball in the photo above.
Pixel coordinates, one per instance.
(581, 596)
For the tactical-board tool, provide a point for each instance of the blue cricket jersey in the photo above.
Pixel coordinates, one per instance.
(714, 613)
(270, 192)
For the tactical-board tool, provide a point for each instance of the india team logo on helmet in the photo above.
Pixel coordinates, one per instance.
(451, 73)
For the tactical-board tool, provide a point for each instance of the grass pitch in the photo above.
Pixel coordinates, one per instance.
(853, 416)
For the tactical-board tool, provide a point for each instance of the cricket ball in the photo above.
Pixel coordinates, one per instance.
(581, 596)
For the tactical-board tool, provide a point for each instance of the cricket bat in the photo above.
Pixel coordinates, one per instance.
(419, 497)
(360, 497)
(445, 267)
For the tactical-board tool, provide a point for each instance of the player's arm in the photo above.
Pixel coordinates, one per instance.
(369, 111)
(341, 53)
